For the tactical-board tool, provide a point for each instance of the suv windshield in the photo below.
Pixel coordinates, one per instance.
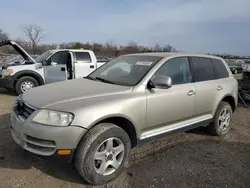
(43, 56)
(125, 70)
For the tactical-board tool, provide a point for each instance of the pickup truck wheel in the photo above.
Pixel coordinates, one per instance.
(25, 83)
(222, 119)
(103, 153)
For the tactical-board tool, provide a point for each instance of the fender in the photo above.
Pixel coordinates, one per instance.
(31, 73)
(222, 99)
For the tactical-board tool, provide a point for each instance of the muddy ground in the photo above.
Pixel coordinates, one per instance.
(191, 159)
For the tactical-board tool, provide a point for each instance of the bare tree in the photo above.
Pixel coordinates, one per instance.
(4, 36)
(157, 48)
(169, 48)
(34, 34)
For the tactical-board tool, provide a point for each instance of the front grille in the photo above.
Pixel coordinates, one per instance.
(23, 110)
(45, 147)
(40, 142)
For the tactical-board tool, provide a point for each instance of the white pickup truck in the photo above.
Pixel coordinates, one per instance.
(52, 66)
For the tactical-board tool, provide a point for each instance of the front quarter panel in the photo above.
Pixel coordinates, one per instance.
(36, 68)
(88, 112)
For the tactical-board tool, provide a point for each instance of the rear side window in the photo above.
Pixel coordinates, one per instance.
(83, 57)
(203, 69)
(220, 68)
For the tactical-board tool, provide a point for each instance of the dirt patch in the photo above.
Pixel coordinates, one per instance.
(192, 159)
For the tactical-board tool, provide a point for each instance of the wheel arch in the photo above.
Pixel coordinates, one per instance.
(33, 74)
(125, 123)
(229, 99)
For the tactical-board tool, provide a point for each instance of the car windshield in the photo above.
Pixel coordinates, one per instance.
(125, 70)
(43, 56)
(231, 61)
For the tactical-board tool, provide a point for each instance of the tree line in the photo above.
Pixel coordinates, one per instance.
(33, 45)
(34, 35)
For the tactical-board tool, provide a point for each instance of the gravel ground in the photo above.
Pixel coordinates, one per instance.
(191, 159)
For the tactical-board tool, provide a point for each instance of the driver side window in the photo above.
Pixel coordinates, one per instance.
(59, 58)
(177, 69)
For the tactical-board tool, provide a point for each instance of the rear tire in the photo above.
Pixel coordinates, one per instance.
(96, 159)
(222, 119)
(25, 83)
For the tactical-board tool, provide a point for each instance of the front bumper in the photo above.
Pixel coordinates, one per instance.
(7, 82)
(45, 141)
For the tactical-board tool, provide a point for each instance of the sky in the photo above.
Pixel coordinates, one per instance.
(202, 26)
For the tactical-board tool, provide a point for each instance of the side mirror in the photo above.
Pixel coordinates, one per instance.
(44, 63)
(53, 63)
(161, 82)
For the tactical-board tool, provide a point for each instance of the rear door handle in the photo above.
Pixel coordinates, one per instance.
(92, 66)
(63, 69)
(219, 88)
(190, 93)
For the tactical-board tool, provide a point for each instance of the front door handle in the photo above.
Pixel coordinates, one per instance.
(63, 69)
(191, 92)
(92, 66)
(219, 88)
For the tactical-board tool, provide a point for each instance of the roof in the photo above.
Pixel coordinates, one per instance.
(73, 50)
(174, 54)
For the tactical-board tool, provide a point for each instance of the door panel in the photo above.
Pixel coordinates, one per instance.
(56, 70)
(206, 85)
(205, 97)
(167, 106)
(55, 73)
(173, 105)
(83, 64)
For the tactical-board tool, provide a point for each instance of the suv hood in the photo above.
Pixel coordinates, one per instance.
(19, 49)
(66, 91)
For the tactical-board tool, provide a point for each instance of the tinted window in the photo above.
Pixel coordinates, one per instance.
(203, 69)
(83, 56)
(220, 69)
(177, 69)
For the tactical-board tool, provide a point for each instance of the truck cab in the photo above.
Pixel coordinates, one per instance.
(51, 66)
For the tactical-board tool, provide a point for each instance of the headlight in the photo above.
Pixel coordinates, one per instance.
(7, 72)
(53, 118)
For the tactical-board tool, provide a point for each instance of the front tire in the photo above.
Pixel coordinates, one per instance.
(103, 153)
(222, 119)
(25, 83)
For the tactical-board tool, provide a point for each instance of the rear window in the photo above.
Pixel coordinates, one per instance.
(220, 69)
(203, 69)
(83, 57)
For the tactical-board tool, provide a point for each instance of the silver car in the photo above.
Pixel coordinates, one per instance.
(95, 121)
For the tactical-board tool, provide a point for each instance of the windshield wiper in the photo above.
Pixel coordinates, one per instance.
(104, 80)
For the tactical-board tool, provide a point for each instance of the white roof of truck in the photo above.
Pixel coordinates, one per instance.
(72, 50)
